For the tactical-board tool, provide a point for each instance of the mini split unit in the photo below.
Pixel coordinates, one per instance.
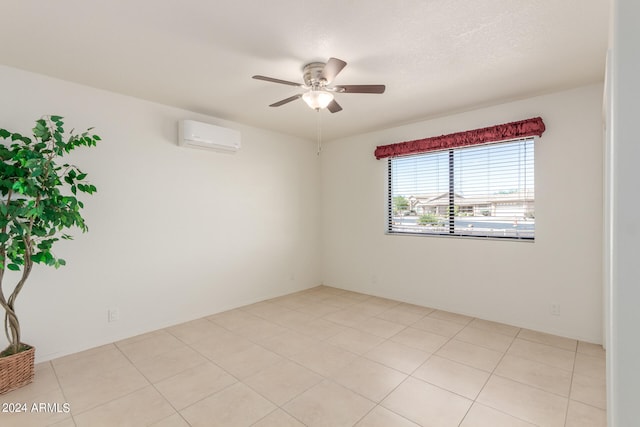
(204, 136)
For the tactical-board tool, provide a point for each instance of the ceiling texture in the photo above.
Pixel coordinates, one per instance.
(436, 57)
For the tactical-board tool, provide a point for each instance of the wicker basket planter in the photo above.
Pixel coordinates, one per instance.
(16, 370)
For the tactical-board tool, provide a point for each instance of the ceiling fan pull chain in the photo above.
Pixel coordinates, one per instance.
(319, 135)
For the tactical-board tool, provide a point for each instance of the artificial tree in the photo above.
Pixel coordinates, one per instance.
(37, 208)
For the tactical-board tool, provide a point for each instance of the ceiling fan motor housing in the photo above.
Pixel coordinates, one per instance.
(312, 75)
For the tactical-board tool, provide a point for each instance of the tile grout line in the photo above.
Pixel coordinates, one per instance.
(53, 368)
(573, 371)
(491, 374)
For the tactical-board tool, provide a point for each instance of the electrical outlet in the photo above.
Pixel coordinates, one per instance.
(113, 315)
(555, 309)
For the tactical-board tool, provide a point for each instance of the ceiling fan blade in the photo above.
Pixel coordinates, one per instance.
(332, 68)
(334, 107)
(272, 80)
(285, 101)
(360, 88)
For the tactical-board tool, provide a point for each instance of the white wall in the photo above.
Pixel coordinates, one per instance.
(623, 355)
(175, 233)
(505, 281)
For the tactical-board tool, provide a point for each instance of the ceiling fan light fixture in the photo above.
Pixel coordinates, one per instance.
(317, 99)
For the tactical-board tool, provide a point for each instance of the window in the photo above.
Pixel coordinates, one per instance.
(480, 190)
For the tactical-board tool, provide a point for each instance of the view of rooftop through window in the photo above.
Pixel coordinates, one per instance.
(485, 190)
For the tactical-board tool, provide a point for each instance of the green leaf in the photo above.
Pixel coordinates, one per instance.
(14, 267)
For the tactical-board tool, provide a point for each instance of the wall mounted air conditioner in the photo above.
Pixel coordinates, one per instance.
(204, 136)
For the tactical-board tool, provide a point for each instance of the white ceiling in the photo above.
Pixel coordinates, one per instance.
(435, 56)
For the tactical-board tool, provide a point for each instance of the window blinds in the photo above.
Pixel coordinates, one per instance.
(481, 190)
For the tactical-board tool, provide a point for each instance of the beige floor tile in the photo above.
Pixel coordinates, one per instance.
(419, 339)
(594, 350)
(346, 317)
(68, 422)
(328, 404)
(426, 404)
(581, 415)
(381, 417)
(420, 309)
(589, 390)
(234, 319)
(490, 326)
(278, 418)
(221, 346)
(150, 347)
(400, 314)
(87, 363)
(451, 317)
(536, 374)
(283, 381)
(484, 338)
(470, 354)
(548, 339)
(260, 330)
(287, 344)
(266, 309)
(323, 358)
(368, 378)
(87, 389)
(524, 402)
(590, 366)
(195, 330)
(543, 353)
(483, 416)
(142, 407)
(379, 327)
(168, 364)
(174, 420)
(194, 384)
(398, 356)
(382, 302)
(236, 406)
(452, 376)
(290, 317)
(318, 310)
(340, 301)
(438, 326)
(319, 329)
(84, 354)
(139, 337)
(355, 341)
(293, 301)
(369, 309)
(360, 297)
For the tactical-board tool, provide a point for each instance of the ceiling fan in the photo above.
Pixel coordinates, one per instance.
(318, 93)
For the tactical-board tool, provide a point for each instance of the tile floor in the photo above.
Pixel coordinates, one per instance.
(325, 357)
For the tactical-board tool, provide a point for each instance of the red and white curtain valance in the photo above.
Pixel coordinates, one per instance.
(514, 130)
